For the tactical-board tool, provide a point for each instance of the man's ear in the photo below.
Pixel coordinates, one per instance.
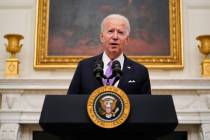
(102, 37)
(127, 39)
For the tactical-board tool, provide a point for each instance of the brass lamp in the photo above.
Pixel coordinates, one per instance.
(13, 47)
(204, 48)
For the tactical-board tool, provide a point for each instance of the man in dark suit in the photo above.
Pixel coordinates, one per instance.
(114, 36)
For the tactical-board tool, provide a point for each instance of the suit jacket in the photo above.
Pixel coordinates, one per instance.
(134, 80)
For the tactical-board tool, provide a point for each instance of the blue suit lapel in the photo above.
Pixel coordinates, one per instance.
(127, 70)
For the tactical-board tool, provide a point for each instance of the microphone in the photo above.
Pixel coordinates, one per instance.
(98, 71)
(116, 71)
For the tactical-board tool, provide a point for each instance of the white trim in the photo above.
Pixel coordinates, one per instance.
(62, 84)
(197, 4)
(16, 3)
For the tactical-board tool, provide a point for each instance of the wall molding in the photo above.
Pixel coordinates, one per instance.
(197, 4)
(7, 4)
(63, 84)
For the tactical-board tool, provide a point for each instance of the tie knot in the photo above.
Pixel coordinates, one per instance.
(109, 64)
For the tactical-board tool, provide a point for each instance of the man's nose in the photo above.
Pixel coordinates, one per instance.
(115, 35)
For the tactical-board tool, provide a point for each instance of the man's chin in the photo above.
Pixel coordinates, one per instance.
(114, 48)
(114, 51)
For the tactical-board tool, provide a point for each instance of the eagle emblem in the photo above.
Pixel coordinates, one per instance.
(108, 106)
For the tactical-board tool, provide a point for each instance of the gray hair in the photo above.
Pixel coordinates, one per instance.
(116, 16)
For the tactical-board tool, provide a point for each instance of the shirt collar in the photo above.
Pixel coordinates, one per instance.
(106, 59)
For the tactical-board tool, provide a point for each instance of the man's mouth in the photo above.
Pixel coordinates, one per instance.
(114, 44)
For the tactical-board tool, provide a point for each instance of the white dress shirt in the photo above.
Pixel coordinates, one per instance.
(106, 60)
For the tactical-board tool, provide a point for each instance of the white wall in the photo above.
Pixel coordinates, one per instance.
(18, 16)
(21, 99)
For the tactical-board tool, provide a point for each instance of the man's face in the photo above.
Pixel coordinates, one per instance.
(114, 37)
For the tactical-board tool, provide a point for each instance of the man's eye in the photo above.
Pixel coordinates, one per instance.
(121, 32)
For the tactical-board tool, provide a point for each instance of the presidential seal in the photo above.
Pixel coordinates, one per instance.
(108, 107)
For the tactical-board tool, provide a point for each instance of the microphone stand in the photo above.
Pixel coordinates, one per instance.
(107, 81)
(115, 80)
(117, 77)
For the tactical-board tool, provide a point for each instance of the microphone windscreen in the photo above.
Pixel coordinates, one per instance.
(116, 64)
(99, 64)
